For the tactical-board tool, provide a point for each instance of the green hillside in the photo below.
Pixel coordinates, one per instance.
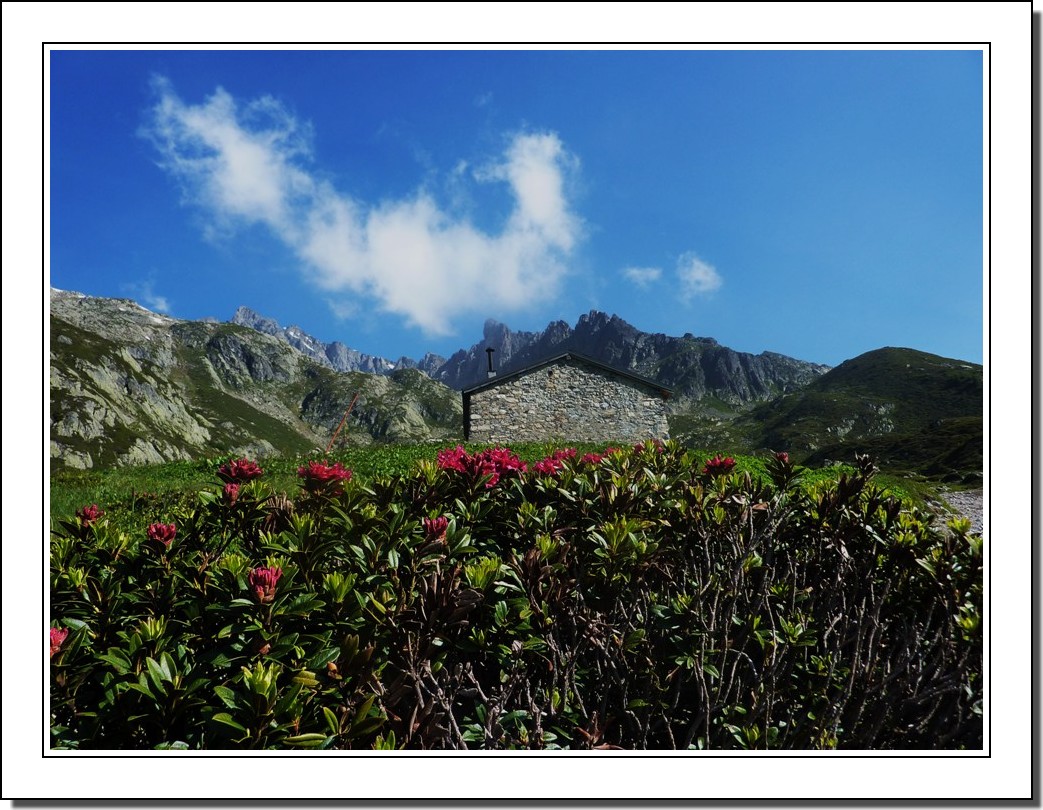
(912, 411)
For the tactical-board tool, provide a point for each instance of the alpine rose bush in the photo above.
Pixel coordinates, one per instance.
(492, 464)
(58, 636)
(263, 581)
(320, 477)
(636, 604)
(89, 515)
(162, 534)
(719, 466)
(553, 464)
(435, 528)
(239, 471)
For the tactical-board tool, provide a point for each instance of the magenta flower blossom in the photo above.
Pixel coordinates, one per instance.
(435, 528)
(719, 466)
(263, 581)
(162, 534)
(231, 493)
(58, 636)
(554, 463)
(89, 515)
(318, 476)
(490, 464)
(455, 459)
(782, 458)
(239, 471)
(547, 466)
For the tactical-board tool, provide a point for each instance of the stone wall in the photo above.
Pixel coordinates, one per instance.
(568, 400)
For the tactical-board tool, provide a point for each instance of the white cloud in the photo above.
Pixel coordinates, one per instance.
(248, 164)
(696, 277)
(144, 294)
(642, 276)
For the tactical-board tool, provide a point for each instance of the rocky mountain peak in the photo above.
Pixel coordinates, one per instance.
(244, 316)
(334, 355)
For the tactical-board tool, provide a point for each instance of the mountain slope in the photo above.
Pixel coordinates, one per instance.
(131, 386)
(908, 409)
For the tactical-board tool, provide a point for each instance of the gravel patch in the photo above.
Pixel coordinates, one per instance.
(968, 503)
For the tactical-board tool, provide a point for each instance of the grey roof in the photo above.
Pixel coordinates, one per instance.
(665, 392)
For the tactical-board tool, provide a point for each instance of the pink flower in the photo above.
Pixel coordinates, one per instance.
(89, 514)
(553, 463)
(435, 528)
(58, 636)
(490, 464)
(593, 458)
(719, 466)
(162, 534)
(782, 458)
(547, 466)
(263, 581)
(231, 494)
(239, 471)
(320, 477)
(455, 459)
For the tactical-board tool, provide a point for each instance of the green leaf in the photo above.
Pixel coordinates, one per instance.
(331, 720)
(118, 659)
(312, 740)
(156, 675)
(322, 658)
(306, 678)
(226, 719)
(302, 605)
(926, 566)
(364, 729)
(167, 667)
(177, 745)
(227, 696)
(143, 688)
(288, 701)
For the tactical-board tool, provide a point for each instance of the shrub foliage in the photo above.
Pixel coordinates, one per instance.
(637, 598)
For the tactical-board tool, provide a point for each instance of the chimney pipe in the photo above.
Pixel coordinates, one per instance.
(489, 351)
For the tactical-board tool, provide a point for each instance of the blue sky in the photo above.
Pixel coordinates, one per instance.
(819, 204)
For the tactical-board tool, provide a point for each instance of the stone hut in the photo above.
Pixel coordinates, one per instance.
(569, 397)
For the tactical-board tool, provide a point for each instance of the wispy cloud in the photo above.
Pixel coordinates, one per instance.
(643, 277)
(696, 277)
(250, 163)
(144, 293)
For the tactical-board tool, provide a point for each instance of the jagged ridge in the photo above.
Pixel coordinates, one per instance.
(696, 368)
(335, 355)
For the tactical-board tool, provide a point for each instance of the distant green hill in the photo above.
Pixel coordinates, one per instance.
(912, 411)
